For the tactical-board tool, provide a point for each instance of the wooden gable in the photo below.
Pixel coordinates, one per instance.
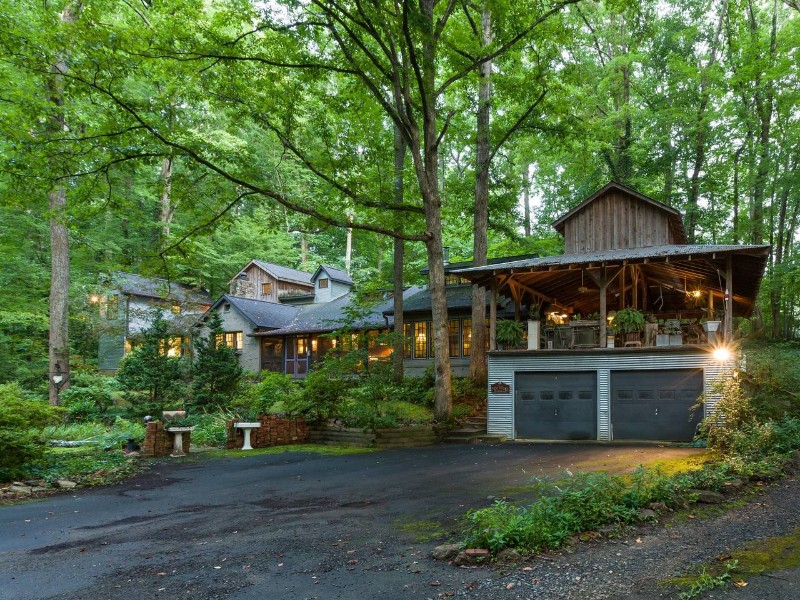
(257, 283)
(618, 217)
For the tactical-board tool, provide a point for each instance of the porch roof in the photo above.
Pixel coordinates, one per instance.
(568, 279)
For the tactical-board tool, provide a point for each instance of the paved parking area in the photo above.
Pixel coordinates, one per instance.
(294, 525)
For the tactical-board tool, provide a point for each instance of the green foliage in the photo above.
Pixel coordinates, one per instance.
(86, 465)
(705, 582)
(509, 333)
(628, 320)
(19, 411)
(215, 371)
(17, 449)
(587, 501)
(151, 377)
(210, 429)
(20, 417)
(274, 393)
(89, 396)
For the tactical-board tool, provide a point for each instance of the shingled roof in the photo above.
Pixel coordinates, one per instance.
(334, 274)
(261, 313)
(153, 287)
(280, 272)
(329, 316)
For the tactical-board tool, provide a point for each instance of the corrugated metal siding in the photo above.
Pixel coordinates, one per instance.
(502, 368)
(715, 371)
(603, 404)
(500, 412)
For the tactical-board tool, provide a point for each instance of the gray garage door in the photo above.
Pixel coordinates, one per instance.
(556, 406)
(655, 405)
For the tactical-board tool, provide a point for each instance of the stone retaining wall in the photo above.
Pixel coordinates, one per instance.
(374, 438)
(274, 431)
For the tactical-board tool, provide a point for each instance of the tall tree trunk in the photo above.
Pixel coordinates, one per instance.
(477, 363)
(167, 208)
(764, 101)
(526, 200)
(58, 345)
(426, 163)
(303, 249)
(398, 346)
(348, 253)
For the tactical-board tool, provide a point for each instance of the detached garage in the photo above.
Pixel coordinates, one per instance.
(618, 394)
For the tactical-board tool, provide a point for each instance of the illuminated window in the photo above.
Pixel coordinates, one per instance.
(452, 337)
(466, 339)
(421, 340)
(266, 289)
(406, 340)
(302, 346)
(323, 283)
(175, 346)
(232, 339)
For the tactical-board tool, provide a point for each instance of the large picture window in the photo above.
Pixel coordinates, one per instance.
(466, 338)
(421, 340)
(453, 338)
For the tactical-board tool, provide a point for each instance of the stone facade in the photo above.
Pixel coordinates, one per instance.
(274, 431)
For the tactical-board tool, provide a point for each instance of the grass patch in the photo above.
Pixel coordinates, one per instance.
(421, 532)
(767, 555)
(323, 449)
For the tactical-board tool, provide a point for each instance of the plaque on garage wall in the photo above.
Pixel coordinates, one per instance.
(500, 388)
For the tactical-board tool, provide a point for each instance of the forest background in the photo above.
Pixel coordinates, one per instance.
(182, 138)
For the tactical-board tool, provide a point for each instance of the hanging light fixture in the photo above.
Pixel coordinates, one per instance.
(582, 289)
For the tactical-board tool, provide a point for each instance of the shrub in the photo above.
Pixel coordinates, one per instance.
(210, 429)
(275, 393)
(19, 414)
(19, 411)
(215, 371)
(152, 376)
(89, 396)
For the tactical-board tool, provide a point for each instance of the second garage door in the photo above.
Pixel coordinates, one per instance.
(655, 404)
(556, 406)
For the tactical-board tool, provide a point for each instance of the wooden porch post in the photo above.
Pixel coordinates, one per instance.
(602, 283)
(728, 325)
(493, 316)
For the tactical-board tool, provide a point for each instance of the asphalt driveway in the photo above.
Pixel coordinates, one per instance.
(293, 525)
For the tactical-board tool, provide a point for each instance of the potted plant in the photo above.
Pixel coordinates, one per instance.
(673, 330)
(629, 321)
(509, 333)
(662, 337)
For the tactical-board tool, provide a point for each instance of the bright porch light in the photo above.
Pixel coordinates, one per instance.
(722, 353)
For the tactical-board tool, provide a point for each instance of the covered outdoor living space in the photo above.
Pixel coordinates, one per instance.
(574, 379)
(676, 286)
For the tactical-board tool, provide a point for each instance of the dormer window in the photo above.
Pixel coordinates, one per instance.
(323, 284)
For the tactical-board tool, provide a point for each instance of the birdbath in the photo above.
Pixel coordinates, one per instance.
(177, 446)
(246, 428)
